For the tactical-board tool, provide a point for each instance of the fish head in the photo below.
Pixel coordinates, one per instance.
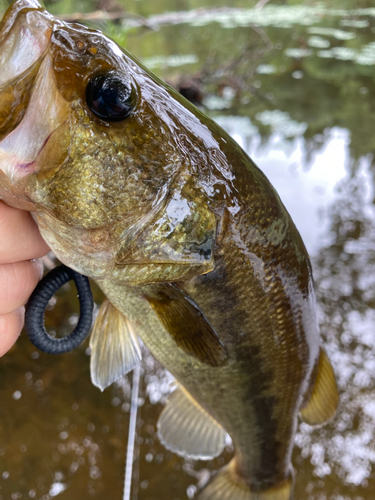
(113, 163)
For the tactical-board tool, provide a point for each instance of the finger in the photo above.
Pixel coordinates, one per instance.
(17, 282)
(19, 236)
(10, 328)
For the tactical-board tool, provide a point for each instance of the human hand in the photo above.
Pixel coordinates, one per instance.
(21, 245)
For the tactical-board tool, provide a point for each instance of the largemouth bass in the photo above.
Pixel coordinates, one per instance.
(134, 187)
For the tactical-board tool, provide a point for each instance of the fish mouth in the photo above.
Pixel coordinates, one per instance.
(46, 112)
(31, 107)
(28, 166)
(25, 32)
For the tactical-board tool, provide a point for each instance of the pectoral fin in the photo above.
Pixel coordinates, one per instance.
(324, 399)
(114, 346)
(187, 325)
(185, 428)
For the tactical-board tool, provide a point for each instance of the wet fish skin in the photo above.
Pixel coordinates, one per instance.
(178, 227)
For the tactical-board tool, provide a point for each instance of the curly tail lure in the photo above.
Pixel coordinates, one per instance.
(36, 307)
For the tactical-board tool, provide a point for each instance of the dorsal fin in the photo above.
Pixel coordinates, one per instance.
(185, 428)
(188, 326)
(114, 346)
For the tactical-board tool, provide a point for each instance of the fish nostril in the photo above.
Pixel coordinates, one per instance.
(81, 46)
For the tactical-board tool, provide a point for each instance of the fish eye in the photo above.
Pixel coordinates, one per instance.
(109, 97)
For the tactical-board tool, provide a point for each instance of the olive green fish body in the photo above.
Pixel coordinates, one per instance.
(260, 301)
(134, 187)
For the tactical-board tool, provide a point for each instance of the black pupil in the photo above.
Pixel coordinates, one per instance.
(109, 97)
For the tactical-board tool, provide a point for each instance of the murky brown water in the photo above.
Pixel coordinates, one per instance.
(293, 82)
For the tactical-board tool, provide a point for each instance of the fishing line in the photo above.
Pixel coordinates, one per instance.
(131, 437)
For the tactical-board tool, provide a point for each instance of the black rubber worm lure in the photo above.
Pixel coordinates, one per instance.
(36, 306)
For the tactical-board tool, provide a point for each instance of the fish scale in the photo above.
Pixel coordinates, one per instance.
(227, 323)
